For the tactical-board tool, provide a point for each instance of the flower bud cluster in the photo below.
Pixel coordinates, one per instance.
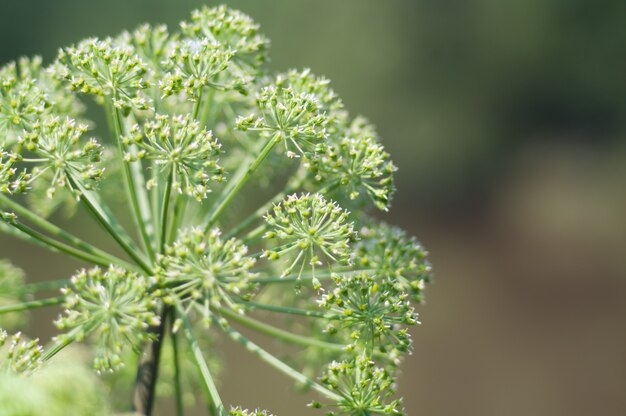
(18, 354)
(114, 306)
(22, 102)
(310, 231)
(294, 118)
(193, 65)
(151, 43)
(12, 181)
(375, 312)
(392, 255)
(305, 82)
(180, 148)
(364, 389)
(357, 161)
(59, 145)
(202, 270)
(234, 30)
(104, 69)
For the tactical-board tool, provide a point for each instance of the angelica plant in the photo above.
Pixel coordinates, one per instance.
(232, 196)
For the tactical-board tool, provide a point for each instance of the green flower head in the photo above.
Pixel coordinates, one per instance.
(203, 271)
(376, 313)
(114, 306)
(394, 256)
(12, 181)
(234, 30)
(363, 389)
(104, 69)
(294, 118)
(22, 103)
(182, 150)
(309, 231)
(18, 354)
(193, 65)
(61, 150)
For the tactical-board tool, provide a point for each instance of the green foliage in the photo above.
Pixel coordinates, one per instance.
(213, 241)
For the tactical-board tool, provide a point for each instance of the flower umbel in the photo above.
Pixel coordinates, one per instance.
(364, 389)
(58, 148)
(181, 149)
(101, 68)
(234, 30)
(203, 271)
(375, 312)
(359, 163)
(19, 354)
(114, 306)
(194, 65)
(394, 256)
(22, 102)
(12, 181)
(295, 118)
(309, 229)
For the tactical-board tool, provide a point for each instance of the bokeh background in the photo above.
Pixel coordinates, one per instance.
(508, 122)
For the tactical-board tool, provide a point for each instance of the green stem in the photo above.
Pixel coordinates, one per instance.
(285, 309)
(180, 408)
(197, 104)
(278, 333)
(203, 368)
(108, 222)
(291, 187)
(57, 246)
(52, 229)
(131, 186)
(144, 390)
(237, 182)
(144, 207)
(18, 307)
(273, 361)
(165, 207)
(180, 206)
(66, 340)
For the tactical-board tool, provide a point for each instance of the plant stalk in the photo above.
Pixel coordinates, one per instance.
(148, 369)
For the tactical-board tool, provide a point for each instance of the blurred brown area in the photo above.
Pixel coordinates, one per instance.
(508, 123)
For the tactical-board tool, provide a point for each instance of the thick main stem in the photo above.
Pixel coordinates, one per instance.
(148, 369)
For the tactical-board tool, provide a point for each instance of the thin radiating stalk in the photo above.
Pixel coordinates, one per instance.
(131, 186)
(52, 229)
(237, 182)
(284, 309)
(291, 188)
(165, 208)
(108, 222)
(57, 246)
(278, 333)
(18, 307)
(273, 361)
(203, 368)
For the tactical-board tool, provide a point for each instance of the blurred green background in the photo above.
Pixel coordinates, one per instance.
(508, 122)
